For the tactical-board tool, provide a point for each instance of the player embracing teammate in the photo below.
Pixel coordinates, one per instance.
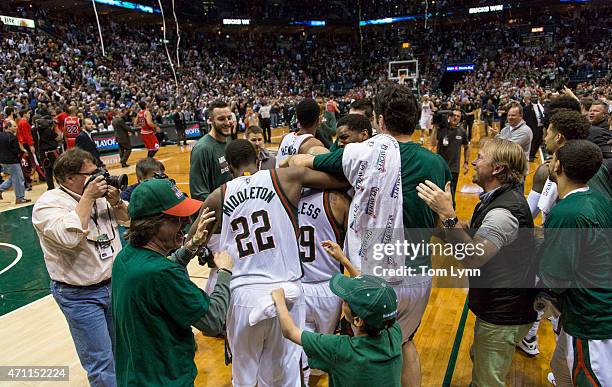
(261, 229)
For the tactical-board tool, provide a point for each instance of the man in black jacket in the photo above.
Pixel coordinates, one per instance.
(600, 132)
(533, 114)
(122, 136)
(10, 160)
(46, 142)
(180, 126)
(85, 142)
(500, 232)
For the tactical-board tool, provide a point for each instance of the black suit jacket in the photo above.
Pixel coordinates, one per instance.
(84, 142)
(529, 115)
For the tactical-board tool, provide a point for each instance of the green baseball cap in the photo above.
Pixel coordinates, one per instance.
(370, 298)
(156, 196)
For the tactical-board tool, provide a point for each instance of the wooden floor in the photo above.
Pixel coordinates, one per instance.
(37, 334)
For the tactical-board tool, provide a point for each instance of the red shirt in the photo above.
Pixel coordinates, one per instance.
(142, 122)
(24, 132)
(60, 120)
(72, 127)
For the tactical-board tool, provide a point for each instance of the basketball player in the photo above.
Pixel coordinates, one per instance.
(427, 109)
(259, 226)
(353, 128)
(575, 264)
(208, 169)
(322, 217)
(72, 127)
(384, 172)
(302, 141)
(144, 120)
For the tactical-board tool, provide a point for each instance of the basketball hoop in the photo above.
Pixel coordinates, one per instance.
(402, 78)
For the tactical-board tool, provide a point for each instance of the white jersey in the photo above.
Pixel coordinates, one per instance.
(317, 225)
(290, 145)
(426, 109)
(260, 231)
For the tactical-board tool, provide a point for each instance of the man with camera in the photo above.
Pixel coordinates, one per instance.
(46, 141)
(449, 137)
(76, 225)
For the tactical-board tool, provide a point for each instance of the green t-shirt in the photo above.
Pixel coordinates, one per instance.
(154, 305)
(357, 361)
(418, 165)
(575, 262)
(208, 168)
(602, 181)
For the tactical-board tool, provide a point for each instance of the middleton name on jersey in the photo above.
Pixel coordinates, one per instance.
(239, 197)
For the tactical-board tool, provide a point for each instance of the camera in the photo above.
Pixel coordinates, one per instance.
(206, 257)
(120, 182)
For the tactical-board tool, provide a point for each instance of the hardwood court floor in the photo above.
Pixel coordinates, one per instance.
(37, 334)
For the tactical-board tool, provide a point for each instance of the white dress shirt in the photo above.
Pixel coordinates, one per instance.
(69, 256)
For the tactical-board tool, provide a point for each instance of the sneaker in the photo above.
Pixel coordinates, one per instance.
(21, 201)
(551, 379)
(529, 346)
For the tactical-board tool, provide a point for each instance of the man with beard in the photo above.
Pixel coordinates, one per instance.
(208, 168)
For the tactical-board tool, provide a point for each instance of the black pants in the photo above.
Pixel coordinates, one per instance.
(124, 153)
(27, 166)
(536, 142)
(47, 159)
(454, 182)
(470, 126)
(265, 125)
(180, 136)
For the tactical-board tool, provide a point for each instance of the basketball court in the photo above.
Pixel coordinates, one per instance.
(34, 331)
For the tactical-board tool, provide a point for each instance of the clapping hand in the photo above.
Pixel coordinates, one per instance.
(201, 233)
(441, 202)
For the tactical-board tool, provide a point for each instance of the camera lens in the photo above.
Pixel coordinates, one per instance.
(120, 182)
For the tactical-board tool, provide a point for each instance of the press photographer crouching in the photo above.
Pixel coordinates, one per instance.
(155, 303)
(76, 225)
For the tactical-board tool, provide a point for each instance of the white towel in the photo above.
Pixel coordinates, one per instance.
(548, 198)
(266, 309)
(373, 168)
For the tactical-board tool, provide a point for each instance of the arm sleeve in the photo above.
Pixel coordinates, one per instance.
(200, 184)
(181, 256)
(321, 349)
(499, 227)
(58, 224)
(329, 162)
(179, 296)
(559, 253)
(213, 322)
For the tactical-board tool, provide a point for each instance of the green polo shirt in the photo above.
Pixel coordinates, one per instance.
(575, 262)
(154, 306)
(359, 360)
(417, 164)
(208, 169)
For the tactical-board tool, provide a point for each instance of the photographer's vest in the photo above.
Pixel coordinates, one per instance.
(504, 292)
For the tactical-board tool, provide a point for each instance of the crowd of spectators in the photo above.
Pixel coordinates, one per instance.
(62, 63)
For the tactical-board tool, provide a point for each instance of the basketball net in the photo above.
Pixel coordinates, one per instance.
(402, 78)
